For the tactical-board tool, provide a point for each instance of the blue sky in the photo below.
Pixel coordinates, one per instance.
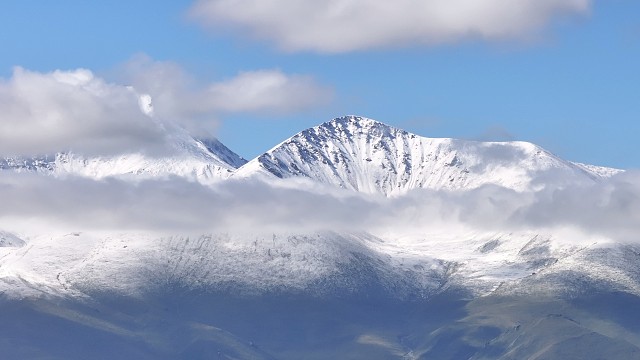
(570, 82)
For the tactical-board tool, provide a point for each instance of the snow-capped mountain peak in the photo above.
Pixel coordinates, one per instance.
(362, 154)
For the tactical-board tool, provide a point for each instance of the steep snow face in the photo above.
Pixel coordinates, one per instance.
(200, 160)
(224, 153)
(368, 156)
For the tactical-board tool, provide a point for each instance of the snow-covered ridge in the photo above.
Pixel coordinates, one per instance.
(366, 155)
(599, 170)
(201, 160)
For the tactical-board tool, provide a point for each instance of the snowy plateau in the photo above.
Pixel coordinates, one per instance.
(350, 240)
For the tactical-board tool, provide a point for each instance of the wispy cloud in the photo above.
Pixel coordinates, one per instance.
(333, 26)
(269, 91)
(495, 133)
(177, 95)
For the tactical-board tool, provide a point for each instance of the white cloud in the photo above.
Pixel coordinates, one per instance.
(610, 209)
(45, 113)
(42, 113)
(179, 97)
(267, 90)
(345, 25)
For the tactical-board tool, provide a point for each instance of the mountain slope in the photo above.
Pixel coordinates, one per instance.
(317, 296)
(368, 156)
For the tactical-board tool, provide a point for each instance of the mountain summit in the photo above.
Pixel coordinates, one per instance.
(362, 154)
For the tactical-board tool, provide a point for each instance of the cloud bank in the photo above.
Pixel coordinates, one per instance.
(75, 110)
(335, 26)
(42, 113)
(610, 208)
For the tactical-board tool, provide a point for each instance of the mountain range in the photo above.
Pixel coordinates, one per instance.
(434, 291)
(349, 152)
